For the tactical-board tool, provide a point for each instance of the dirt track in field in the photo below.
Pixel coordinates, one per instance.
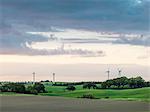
(59, 104)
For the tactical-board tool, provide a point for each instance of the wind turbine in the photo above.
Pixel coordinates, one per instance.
(119, 72)
(53, 78)
(33, 77)
(108, 71)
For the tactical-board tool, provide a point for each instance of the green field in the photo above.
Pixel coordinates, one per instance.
(13, 94)
(141, 94)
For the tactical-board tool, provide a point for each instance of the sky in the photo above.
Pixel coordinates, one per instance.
(79, 40)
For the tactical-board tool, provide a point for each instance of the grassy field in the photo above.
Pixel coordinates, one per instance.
(60, 100)
(13, 94)
(61, 104)
(141, 94)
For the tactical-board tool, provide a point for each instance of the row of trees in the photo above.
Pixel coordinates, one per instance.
(117, 83)
(90, 85)
(21, 88)
(124, 82)
(73, 83)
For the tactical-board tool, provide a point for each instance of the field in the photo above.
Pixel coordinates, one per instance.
(61, 104)
(142, 94)
(58, 99)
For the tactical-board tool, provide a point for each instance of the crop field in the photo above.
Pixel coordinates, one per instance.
(60, 104)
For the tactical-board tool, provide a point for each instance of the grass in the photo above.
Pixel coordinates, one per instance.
(55, 88)
(13, 94)
(141, 94)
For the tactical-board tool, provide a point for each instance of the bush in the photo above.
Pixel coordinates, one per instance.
(89, 86)
(88, 96)
(40, 88)
(13, 87)
(19, 88)
(107, 97)
(31, 90)
(125, 83)
(71, 88)
(103, 85)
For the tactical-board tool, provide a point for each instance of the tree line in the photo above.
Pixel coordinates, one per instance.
(124, 82)
(117, 83)
(21, 88)
(38, 87)
(72, 83)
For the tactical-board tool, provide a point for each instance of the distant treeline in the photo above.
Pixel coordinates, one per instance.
(39, 87)
(21, 88)
(117, 83)
(73, 83)
(124, 82)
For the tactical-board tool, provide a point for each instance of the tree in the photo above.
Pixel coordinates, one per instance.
(147, 84)
(31, 90)
(122, 81)
(39, 87)
(71, 88)
(89, 86)
(13, 87)
(139, 82)
(109, 83)
(103, 85)
(5, 88)
(19, 88)
(132, 83)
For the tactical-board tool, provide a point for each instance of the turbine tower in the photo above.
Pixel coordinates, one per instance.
(33, 77)
(119, 72)
(53, 78)
(108, 71)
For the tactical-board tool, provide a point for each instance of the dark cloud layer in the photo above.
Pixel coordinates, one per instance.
(20, 16)
(88, 14)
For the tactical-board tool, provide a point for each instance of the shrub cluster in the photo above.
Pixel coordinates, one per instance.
(88, 96)
(71, 88)
(13, 87)
(20, 88)
(73, 83)
(89, 85)
(124, 82)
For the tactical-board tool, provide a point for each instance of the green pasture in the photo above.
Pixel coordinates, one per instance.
(141, 94)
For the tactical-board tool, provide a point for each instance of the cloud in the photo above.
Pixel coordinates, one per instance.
(15, 41)
(84, 36)
(127, 15)
(27, 50)
(140, 40)
(20, 16)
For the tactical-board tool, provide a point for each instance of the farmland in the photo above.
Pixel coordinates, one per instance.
(142, 94)
(61, 104)
(139, 94)
(58, 99)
